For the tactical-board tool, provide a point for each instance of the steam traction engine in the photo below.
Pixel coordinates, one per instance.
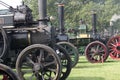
(25, 42)
(63, 39)
(102, 47)
(96, 51)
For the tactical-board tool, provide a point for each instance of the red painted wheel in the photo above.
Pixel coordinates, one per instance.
(96, 52)
(114, 47)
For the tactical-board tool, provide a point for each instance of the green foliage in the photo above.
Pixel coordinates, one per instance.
(77, 9)
(34, 6)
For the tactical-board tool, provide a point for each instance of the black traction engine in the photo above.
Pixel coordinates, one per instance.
(30, 44)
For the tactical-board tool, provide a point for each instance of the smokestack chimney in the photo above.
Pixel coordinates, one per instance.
(94, 20)
(42, 8)
(61, 18)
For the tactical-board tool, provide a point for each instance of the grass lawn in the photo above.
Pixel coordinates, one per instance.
(109, 70)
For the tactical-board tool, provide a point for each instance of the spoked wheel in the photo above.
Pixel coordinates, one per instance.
(38, 62)
(65, 61)
(3, 43)
(72, 51)
(96, 52)
(114, 47)
(6, 73)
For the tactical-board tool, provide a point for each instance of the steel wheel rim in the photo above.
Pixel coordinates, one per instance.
(3, 43)
(65, 62)
(72, 51)
(43, 66)
(6, 73)
(114, 47)
(96, 52)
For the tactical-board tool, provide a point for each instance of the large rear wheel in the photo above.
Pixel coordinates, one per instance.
(114, 47)
(3, 44)
(38, 62)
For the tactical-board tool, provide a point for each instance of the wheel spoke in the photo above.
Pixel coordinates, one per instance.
(112, 51)
(116, 41)
(40, 56)
(49, 63)
(101, 51)
(113, 44)
(26, 71)
(97, 48)
(30, 60)
(39, 77)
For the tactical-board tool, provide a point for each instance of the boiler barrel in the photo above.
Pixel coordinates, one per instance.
(19, 40)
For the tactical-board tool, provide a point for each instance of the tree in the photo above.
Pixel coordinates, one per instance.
(77, 9)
